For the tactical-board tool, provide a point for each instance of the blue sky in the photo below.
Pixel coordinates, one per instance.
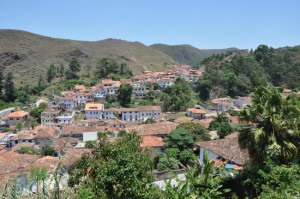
(203, 24)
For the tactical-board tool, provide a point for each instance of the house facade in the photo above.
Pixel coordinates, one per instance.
(94, 111)
(140, 113)
(15, 117)
(49, 116)
(68, 103)
(196, 113)
(21, 137)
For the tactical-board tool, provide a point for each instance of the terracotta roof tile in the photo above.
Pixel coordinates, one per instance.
(228, 148)
(17, 114)
(151, 141)
(23, 135)
(161, 128)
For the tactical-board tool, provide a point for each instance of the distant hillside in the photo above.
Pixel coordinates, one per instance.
(187, 54)
(28, 55)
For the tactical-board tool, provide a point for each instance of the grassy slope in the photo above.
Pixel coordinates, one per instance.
(28, 55)
(187, 54)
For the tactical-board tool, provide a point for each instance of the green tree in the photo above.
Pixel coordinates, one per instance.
(271, 123)
(62, 70)
(124, 94)
(23, 97)
(9, 88)
(36, 112)
(71, 75)
(201, 182)
(196, 129)
(1, 84)
(85, 193)
(90, 144)
(115, 169)
(179, 138)
(177, 97)
(48, 151)
(74, 65)
(106, 66)
(51, 73)
(221, 125)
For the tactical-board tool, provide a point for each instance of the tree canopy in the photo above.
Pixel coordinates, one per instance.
(271, 124)
(115, 170)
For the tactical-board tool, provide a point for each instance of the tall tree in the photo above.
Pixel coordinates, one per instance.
(62, 70)
(51, 73)
(271, 124)
(9, 88)
(1, 85)
(74, 65)
(124, 94)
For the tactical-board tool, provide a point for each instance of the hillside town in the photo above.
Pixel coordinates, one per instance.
(67, 134)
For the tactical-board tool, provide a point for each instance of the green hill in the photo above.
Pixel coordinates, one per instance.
(29, 55)
(187, 54)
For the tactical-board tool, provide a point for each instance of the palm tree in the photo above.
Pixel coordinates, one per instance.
(271, 123)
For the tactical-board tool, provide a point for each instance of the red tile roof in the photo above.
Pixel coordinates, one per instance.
(161, 128)
(151, 141)
(17, 114)
(196, 111)
(23, 135)
(45, 131)
(228, 148)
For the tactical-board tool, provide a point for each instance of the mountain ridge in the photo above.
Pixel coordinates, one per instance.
(28, 55)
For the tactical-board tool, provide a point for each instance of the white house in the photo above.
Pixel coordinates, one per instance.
(48, 116)
(67, 102)
(111, 86)
(98, 92)
(140, 113)
(93, 110)
(40, 101)
(81, 97)
(196, 113)
(44, 135)
(20, 137)
(139, 90)
(165, 82)
(15, 117)
(65, 118)
(110, 113)
(222, 104)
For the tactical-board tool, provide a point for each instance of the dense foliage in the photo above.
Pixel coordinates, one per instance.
(115, 170)
(124, 94)
(221, 125)
(178, 97)
(36, 112)
(196, 129)
(230, 78)
(276, 129)
(109, 67)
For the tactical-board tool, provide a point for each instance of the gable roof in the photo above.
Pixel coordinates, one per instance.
(23, 135)
(228, 148)
(196, 111)
(17, 114)
(151, 141)
(45, 131)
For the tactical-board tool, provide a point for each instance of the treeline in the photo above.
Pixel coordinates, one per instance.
(7, 89)
(239, 74)
(106, 67)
